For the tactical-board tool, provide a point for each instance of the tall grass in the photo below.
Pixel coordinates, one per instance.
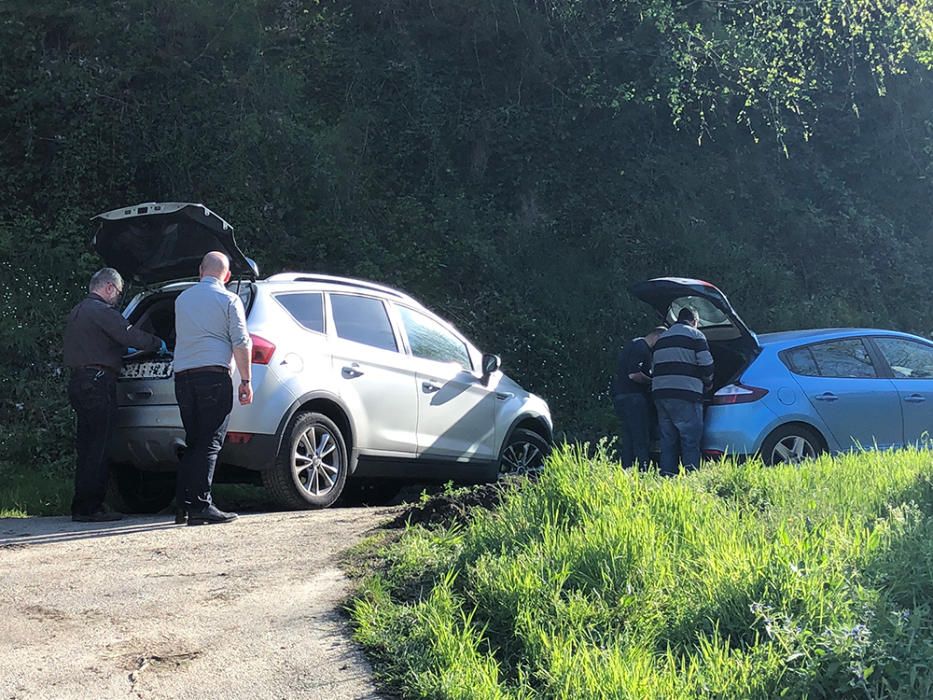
(734, 581)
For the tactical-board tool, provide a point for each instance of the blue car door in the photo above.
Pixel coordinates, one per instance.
(858, 405)
(911, 365)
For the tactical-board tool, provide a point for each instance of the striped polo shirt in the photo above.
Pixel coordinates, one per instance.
(682, 364)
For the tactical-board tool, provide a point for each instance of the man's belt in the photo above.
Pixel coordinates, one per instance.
(100, 368)
(198, 370)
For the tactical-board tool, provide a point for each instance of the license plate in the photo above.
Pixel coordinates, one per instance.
(147, 370)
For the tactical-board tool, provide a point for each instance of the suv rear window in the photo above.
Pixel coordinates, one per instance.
(362, 320)
(305, 307)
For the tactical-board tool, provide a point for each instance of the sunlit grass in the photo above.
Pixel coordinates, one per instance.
(734, 581)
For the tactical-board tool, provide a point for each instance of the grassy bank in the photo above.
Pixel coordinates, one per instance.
(736, 581)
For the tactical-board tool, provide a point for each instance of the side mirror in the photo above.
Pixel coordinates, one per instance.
(491, 364)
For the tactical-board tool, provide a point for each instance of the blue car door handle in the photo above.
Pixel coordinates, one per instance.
(915, 398)
(826, 396)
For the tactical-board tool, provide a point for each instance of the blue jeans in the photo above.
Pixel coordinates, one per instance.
(681, 427)
(634, 411)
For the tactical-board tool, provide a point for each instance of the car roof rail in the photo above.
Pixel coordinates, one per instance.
(339, 281)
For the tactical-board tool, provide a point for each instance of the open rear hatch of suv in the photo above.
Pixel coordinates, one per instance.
(153, 244)
(732, 344)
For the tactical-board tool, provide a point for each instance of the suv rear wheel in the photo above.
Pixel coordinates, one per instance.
(311, 468)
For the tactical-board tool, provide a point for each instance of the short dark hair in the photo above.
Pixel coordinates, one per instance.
(687, 315)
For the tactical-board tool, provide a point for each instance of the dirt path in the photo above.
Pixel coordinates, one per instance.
(144, 608)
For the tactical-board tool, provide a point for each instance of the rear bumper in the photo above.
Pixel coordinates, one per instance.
(736, 430)
(153, 439)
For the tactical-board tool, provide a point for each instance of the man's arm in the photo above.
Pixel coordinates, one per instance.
(242, 350)
(704, 359)
(116, 326)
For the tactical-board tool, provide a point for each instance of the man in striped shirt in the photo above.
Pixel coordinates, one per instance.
(682, 372)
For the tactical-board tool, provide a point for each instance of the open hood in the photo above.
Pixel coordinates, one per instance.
(157, 242)
(718, 320)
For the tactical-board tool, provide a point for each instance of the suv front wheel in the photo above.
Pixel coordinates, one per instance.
(524, 452)
(311, 467)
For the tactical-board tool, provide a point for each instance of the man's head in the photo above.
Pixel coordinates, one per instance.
(215, 264)
(651, 337)
(688, 317)
(107, 284)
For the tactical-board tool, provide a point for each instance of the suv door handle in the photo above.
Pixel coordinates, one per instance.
(915, 398)
(352, 371)
(429, 387)
(827, 396)
(141, 394)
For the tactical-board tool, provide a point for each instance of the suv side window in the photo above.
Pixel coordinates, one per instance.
(908, 359)
(362, 320)
(847, 358)
(305, 307)
(430, 340)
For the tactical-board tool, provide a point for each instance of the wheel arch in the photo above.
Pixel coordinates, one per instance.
(330, 405)
(535, 423)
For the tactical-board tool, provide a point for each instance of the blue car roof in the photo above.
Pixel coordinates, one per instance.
(788, 338)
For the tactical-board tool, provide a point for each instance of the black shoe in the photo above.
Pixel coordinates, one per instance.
(98, 516)
(181, 516)
(210, 515)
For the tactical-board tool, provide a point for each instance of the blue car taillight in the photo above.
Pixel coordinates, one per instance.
(737, 393)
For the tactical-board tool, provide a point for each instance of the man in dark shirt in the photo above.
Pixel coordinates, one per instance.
(96, 338)
(630, 396)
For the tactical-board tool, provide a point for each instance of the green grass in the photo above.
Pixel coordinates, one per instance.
(34, 491)
(737, 581)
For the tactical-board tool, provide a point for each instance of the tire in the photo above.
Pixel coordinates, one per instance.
(310, 470)
(791, 444)
(523, 452)
(132, 490)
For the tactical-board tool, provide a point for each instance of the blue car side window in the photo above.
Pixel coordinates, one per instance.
(843, 358)
(800, 361)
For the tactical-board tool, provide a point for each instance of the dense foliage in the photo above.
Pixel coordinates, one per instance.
(516, 164)
(738, 581)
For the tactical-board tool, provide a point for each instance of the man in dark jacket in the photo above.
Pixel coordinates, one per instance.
(631, 398)
(96, 338)
(682, 373)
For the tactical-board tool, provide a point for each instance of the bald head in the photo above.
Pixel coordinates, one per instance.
(215, 264)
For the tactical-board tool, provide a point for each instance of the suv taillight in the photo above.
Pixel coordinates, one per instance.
(737, 393)
(262, 350)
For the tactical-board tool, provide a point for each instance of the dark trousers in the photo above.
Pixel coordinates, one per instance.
(634, 411)
(205, 400)
(681, 426)
(93, 395)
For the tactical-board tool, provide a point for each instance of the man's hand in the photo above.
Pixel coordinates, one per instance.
(640, 377)
(245, 393)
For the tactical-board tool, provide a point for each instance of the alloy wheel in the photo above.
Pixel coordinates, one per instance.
(316, 461)
(521, 458)
(792, 449)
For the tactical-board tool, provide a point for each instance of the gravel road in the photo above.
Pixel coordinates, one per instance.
(143, 608)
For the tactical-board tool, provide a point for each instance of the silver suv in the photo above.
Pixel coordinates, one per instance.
(353, 381)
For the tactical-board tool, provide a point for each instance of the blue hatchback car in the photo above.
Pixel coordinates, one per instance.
(790, 396)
